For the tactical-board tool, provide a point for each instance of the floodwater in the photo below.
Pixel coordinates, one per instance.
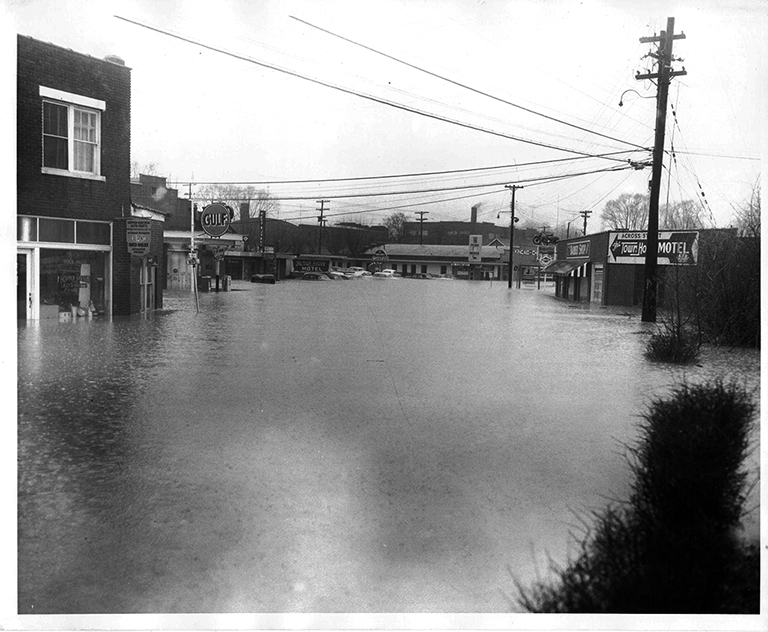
(363, 446)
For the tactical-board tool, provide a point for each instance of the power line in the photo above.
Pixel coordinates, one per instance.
(439, 189)
(401, 175)
(466, 87)
(363, 95)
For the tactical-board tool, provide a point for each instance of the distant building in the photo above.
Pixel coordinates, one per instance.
(73, 189)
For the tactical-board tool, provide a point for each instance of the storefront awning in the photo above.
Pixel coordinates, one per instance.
(562, 267)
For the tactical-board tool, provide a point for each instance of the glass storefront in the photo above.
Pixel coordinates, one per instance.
(72, 281)
(63, 268)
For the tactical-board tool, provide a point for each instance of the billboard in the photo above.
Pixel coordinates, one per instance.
(676, 247)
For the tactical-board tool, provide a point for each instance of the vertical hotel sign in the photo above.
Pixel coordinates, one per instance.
(138, 234)
(475, 243)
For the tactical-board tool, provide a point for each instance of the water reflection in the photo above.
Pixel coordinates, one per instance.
(361, 446)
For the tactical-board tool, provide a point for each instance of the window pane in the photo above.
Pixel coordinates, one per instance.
(55, 152)
(72, 279)
(54, 119)
(58, 230)
(26, 229)
(84, 156)
(92, 233)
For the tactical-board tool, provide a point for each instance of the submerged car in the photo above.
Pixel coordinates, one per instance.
(263, 278)
(315, 276)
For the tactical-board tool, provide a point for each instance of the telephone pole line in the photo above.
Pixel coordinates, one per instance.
(421, 215)
(665, 73)
(585, 215)
(322, 222)
(512, 220)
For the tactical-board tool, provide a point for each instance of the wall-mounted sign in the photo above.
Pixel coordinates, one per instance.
(215, 219)
(138, 235)
(578, 249)
(310, 265)
(676, 247)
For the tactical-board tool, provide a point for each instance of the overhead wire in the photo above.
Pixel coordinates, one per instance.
(363, 95)
(465, 86)
(397, 175)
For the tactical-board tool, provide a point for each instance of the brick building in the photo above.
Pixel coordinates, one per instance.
(73, 187)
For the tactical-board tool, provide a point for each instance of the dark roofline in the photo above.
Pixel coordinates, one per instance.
(101, 59)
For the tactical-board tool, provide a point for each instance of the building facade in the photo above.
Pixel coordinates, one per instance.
(73, 187)
(608, 268)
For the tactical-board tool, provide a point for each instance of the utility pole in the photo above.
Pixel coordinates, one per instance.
(262, 236)
(512, 221)
(585, 215)
(321, 221)
(421, 215)
(664, 75)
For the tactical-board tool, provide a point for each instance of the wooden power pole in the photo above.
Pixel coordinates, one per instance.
(665, 73)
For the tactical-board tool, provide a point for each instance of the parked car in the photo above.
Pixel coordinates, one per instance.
(421, 275)
(385, 274)
(356, 272)
(315, 276)
(263, 278)
(336, 274)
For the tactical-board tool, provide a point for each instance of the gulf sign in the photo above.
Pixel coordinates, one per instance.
(215, 219)
(676, 247)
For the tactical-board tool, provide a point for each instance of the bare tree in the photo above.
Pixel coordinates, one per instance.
(679, 215)
(627, 212)
(234, 195)
(747, 215)
(395, 224)
(148, 169)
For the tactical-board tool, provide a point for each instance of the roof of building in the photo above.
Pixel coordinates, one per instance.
(434, 251)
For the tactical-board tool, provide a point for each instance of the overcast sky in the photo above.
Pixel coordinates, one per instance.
(206, 116)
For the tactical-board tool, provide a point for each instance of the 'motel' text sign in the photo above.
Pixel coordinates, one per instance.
(676, 247)
(215, 219)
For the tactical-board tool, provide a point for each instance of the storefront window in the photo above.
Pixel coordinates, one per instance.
(93, 233)
(57, 230)
(72, 279)
(26, 229)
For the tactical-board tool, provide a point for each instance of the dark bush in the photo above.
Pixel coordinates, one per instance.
(673, 547)
(672, 344)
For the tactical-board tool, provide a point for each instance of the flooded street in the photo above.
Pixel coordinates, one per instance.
(362, 446)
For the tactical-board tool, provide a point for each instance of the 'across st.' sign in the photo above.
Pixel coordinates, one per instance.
(215, 219)
(676, 247)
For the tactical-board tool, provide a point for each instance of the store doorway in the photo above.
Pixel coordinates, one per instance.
(147, 280)
(24, 297)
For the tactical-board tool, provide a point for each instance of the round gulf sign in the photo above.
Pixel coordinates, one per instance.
(215, 219)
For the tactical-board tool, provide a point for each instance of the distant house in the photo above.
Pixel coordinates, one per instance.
(73, 188)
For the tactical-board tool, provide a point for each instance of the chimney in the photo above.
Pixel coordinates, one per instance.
(245, 210)
(473, 219)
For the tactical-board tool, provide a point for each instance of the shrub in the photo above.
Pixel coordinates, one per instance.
(672, 548)
(672, 344)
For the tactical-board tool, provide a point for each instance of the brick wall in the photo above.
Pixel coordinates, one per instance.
(44, 64)
(126, 293)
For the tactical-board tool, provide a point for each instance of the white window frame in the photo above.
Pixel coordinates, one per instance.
(75, 102)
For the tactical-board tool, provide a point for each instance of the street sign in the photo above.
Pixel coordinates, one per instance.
(215, 219)
(676, 247)
(545, 260)
(138, 235)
